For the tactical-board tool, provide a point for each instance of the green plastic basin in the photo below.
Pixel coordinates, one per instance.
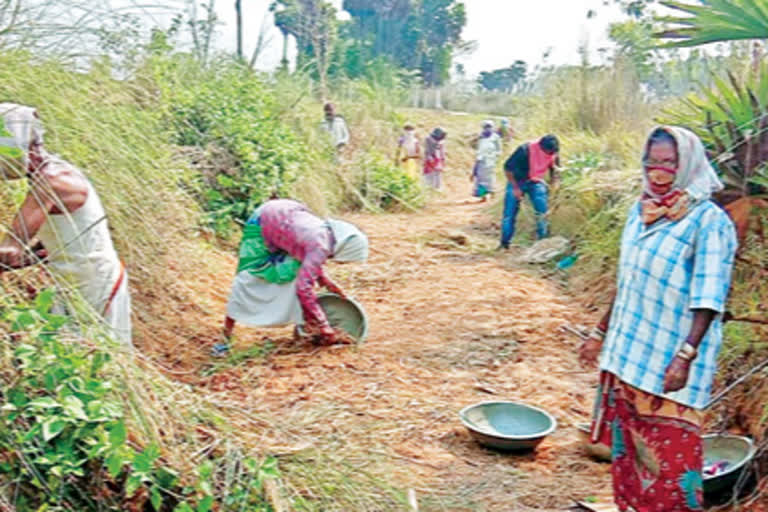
(507, 426)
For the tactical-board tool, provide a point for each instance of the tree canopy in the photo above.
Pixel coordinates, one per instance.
(505, 79)
(414, 35)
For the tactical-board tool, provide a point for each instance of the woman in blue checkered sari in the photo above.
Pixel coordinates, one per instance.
(658, 343)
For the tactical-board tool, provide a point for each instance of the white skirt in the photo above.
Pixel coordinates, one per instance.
(255, 302)
(118, 315)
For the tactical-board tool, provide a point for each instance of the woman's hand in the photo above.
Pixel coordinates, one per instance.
(331, 287)
(11, 257)
(589, 351)
(326, 336)
(318, 334)
(676, 376)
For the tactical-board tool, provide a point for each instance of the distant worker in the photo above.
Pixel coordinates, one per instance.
(484, 170)
(525, 171)
(434, 158)
(409, 151)
(64, 214)
(336, 127)
(282, 253)
(505, 131)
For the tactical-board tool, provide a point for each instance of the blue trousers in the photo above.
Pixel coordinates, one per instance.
(539, 196)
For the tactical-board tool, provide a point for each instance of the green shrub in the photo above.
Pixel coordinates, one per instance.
(64, 435)
(233, 116)
(580, 165)
(386, 186)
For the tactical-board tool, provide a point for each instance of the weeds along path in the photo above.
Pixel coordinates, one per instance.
(451, 323)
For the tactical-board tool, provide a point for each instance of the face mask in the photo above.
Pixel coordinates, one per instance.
(661, 179)
(661, 175)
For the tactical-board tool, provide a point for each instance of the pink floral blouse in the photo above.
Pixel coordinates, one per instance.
(289, 226)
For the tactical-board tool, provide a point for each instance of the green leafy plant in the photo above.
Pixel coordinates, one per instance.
(732, 120)
(715, 20)
(232, 117)
(387, 186)
(64, 436)
(580, 165)
(64, 442)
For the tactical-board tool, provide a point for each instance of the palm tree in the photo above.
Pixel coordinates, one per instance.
(732, 116)
(715, 21)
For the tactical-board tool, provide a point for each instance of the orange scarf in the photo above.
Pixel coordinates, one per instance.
(673, 206)
(539, 161)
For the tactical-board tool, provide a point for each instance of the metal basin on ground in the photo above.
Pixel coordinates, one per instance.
(343, 313)
(738, 451)
(507, 426)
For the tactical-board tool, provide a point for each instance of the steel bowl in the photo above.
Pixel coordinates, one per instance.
(343, 313)
(507, 426)
(737, 450)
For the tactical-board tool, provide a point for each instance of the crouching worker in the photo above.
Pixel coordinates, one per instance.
(282, 254)
(64, 215)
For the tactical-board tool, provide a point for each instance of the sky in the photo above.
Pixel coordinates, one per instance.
(505, 30)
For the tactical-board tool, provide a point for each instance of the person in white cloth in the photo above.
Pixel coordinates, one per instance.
(282, 253)
(336, 126)
(484, 172)
(64, 215)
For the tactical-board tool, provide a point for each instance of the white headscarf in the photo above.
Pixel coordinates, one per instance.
(351, 243)
(695, 174)
(21, 127)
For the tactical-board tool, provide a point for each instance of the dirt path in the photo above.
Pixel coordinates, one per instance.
(452, 323)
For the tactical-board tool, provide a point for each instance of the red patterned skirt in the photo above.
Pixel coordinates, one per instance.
(655, 445)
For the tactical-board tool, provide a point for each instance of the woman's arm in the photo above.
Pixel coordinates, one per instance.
(713, 256)
(32, 214)
(676, 376)
(326, 282)
(309, 273)
(591, 348)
